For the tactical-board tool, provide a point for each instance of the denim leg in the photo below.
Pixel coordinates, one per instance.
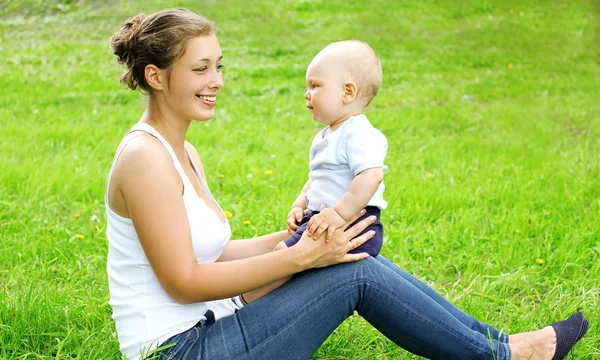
(295, 319)
(464, 318)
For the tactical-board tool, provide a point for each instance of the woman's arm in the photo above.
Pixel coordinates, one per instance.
(151, 188)
(241, 249)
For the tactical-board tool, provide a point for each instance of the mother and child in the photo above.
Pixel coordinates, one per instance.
(180, 289)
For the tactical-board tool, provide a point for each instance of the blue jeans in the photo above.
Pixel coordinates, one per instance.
(294, 320)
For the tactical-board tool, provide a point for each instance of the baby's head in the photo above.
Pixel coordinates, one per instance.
(342, 80)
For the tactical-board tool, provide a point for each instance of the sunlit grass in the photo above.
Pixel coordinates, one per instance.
(491, 110)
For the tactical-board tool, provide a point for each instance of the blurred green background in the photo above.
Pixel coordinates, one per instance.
(491, 110)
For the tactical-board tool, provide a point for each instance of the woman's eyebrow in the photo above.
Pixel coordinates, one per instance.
(207, 59)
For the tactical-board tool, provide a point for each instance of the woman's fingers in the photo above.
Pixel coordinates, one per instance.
(354, 257)
(358, 241)
(359, 227)
(354, 218)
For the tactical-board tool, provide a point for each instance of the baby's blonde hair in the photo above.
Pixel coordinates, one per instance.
(362, 64)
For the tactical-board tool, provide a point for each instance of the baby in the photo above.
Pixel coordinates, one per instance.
(346, 158)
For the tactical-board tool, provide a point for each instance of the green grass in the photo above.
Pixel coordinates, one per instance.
(491, 110)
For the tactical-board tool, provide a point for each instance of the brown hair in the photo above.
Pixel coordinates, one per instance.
(158, 39)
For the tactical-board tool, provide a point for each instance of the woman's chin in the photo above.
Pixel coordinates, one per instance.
(204, 116)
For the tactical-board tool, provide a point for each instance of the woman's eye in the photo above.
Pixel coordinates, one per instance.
(200, 69)
(220, 67)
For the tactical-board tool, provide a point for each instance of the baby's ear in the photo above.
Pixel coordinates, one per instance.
(350, 92)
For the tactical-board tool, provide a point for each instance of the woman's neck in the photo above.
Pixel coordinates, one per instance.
(172, 129)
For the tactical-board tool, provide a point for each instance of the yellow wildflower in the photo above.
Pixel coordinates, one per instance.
(517, 231)
(539, 261)
(269, 172)
(77, 216)
(510, 66)
(97, 228)
(79, 236)
(247, 222)
(220, 176)
(429, 175)
(521, 13)
(227, 213)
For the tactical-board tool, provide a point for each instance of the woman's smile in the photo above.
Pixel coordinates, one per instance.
(208, 100)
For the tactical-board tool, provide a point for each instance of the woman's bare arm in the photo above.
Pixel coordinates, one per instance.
(241, 249)
(152, 191)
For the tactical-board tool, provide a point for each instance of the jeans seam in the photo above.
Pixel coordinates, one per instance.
(290, 324)
(178, 344)
(190, 345)
(433, 322)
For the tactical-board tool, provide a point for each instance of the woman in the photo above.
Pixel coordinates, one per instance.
(170, 259)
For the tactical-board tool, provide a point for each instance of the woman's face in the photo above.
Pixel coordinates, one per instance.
(195, 79)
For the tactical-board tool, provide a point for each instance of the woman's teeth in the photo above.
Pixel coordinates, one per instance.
(206, 98)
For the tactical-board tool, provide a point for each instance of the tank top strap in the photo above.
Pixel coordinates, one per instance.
(150, 130)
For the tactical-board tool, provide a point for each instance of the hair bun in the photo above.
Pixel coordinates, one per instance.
(123, 40)
(123, 43)
(157, 39)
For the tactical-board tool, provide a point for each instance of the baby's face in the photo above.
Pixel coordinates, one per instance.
(325, 80)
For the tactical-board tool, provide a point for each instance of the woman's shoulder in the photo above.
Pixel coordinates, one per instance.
(140, 146)
(141, 163)
(141, 154)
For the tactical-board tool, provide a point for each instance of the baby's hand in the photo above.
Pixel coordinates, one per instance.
(328, 219)
(293, 219)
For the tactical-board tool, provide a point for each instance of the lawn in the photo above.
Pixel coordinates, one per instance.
(491, 109)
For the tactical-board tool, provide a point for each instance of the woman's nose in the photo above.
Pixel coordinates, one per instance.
(218, 81)
(307, 95)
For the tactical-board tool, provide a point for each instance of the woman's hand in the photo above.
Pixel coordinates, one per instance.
(321, 254)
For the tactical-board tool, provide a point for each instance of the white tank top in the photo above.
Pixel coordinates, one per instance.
(145, 315)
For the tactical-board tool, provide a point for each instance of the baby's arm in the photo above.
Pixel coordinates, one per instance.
(361, 190)
(297, 211)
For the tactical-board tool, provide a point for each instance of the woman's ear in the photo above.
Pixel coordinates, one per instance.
(350, 92)
(154, 77)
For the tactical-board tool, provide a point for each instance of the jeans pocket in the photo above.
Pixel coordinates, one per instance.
(180, 344)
